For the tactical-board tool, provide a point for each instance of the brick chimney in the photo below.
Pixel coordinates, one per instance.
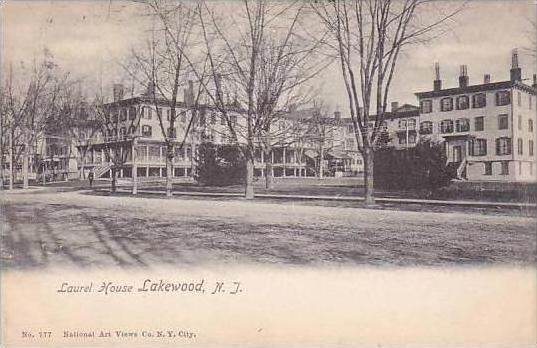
(395, 106)
(486, 78)
(463, 77)
(516, 72)
(437, 84)
(118, 91)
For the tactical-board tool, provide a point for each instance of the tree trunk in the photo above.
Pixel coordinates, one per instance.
(113, 174)
(368, 176)
(134, 171)
(269, 179)
(25, 165)
(249, 184)
(169, 169)
(321, 158)
(11, 159)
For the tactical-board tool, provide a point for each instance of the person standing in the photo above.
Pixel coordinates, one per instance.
(90, 178)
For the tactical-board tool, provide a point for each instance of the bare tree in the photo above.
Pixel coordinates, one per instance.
(31, 100)
(262, 62)
(166, 69)
(286, 63)
(367, 37)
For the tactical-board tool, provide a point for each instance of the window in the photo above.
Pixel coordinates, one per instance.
(132, 113)
(183, 116)
(146, 131)
(123, 131)
(479, 123)
(503, 98)
(519, 98)
(488, 168)
(222, 120)
(148, 112)
(402, 124)
(411, 123)
(172, 133)
(123, 115)
(426, 106)
(350, 129)
(505, 168)
(446, 126)
(233, 119)
(479, 100)
(503, 121)
(530, 126)
(478, 147)
(503, 146)
(213, 117)
(426, 127)
(168, 114)
(132, 129)
(463, 102)
(462, 125)
(446, 104)
(202, 118)
(520, 146)
(530, 147)
(412, 138)
(519, 122)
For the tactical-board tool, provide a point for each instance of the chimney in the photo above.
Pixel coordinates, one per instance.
(337, 115)
(437, 84)
(118, 91)
(150, 89)
(395, 106)
(486, 78)
(463, 77)
(534, 84)
(516, 72)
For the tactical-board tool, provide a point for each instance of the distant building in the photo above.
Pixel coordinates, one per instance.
(488, 129)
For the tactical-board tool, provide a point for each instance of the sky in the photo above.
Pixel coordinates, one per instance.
(90, 38)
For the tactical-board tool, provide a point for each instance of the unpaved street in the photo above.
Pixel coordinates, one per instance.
(83, 229)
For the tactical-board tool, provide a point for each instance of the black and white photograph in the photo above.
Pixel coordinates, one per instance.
(268, 173)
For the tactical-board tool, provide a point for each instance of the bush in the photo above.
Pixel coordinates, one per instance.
(421, 167)
(219, 165)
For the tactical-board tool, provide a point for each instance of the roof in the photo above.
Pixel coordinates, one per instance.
(144, 98)
(476, 88)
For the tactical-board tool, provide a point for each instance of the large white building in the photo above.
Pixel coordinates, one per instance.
(488, 129)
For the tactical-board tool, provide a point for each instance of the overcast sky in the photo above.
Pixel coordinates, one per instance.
(88, 38)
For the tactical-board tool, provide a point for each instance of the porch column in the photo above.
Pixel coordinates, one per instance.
(283, 160)
(134, 167)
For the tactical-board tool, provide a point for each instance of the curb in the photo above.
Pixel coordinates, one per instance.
(350, 199)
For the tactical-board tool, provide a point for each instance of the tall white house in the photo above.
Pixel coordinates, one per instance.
(488, 129)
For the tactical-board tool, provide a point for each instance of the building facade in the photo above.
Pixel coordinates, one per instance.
(487, 128)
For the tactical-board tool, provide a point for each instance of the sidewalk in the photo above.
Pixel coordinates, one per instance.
(343, 198)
